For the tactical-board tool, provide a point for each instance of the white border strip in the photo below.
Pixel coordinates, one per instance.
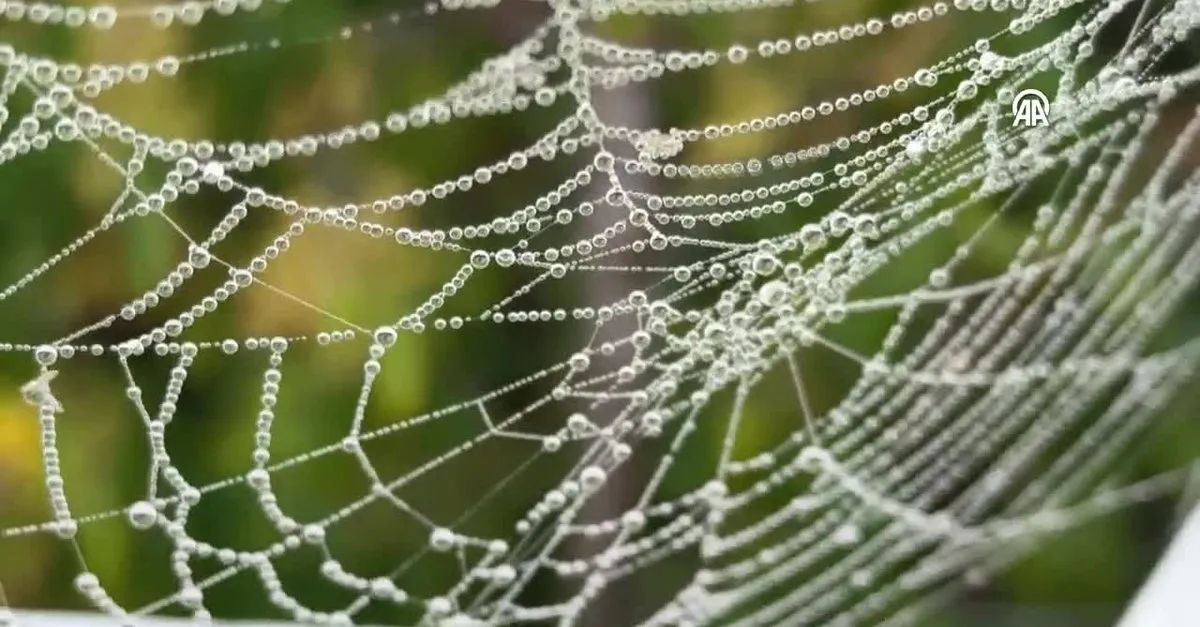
(1171, 596)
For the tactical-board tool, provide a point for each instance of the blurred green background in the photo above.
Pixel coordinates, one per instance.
(51, 197)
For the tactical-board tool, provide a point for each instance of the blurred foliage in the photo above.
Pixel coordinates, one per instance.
(49, 198)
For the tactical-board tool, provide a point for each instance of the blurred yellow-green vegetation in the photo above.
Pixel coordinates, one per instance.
(51, 197)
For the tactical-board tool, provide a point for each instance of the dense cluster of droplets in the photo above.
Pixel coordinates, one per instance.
(918, 475)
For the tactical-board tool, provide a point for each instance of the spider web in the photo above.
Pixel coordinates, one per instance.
(989, 416)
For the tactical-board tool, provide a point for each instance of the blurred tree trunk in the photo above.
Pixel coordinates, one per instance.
(632, 106)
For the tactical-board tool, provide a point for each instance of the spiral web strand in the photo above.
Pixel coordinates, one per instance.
(988, 418)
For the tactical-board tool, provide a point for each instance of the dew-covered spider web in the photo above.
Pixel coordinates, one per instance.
(822, 362)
